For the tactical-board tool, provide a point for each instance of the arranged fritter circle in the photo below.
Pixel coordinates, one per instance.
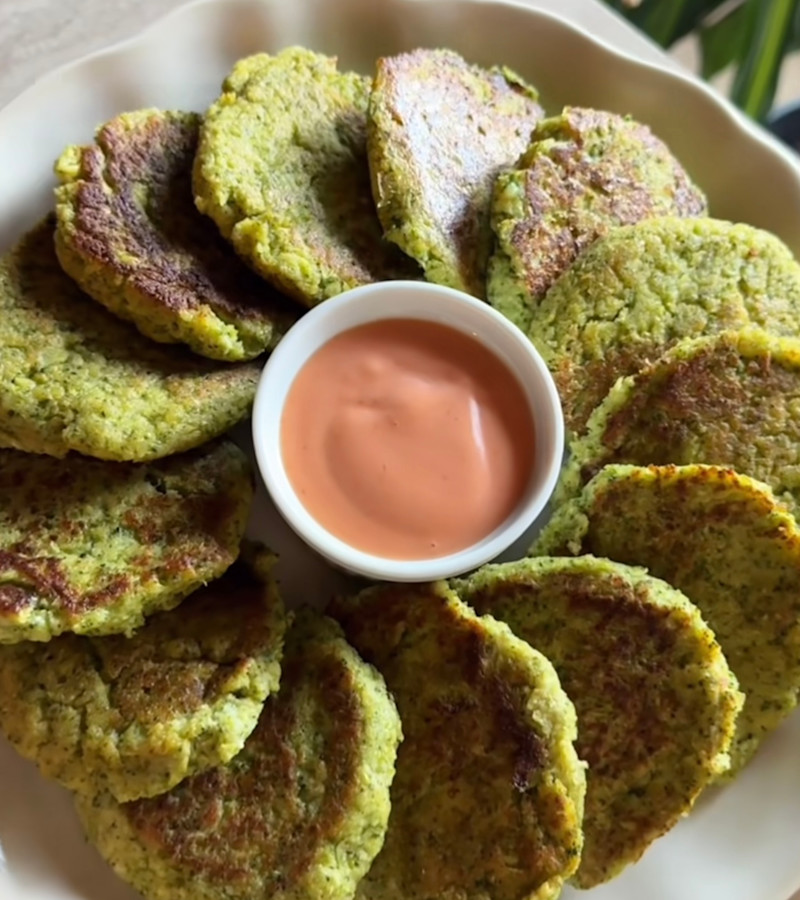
(299, 813)
(128, 232)
(655, 699)
(732, 399)
(282, 169)
(634, 293)
(585, 172)
(439, 131)
(724, 541)
(75, 377)
(135, 716)
(488, 796)
(93, 547)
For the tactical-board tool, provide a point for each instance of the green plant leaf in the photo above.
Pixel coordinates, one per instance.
(666, 21)
(768, 29)
(723, 42)
(795, 41)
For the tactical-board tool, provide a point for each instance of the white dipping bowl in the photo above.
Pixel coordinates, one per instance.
(431, 303)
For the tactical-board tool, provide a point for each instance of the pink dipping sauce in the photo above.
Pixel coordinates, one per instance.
(407, 439)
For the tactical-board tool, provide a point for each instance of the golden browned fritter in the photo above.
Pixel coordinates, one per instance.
(299, 814)
(134, 716)
(586, 171)
(488, 796)
(93, 547)
(439, 131)
(723, 540)
(655, 699)
(130, 235)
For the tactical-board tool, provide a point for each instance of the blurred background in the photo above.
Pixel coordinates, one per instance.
(747, 49)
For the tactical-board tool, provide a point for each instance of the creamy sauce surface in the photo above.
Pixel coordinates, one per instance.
(407, 439)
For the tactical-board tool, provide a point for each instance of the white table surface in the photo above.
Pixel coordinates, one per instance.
(39, 35)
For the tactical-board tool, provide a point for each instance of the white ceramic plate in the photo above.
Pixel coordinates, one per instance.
(740, 843)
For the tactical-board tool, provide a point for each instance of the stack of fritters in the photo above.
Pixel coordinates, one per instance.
(723, 540)
(584, 173)
(489, 792)
(300, 812)
(134, 716)
(282, 169)
(547, 719)
(673, 341)
(122, 690)
(130, 236)
(142, 639)
(188, 706)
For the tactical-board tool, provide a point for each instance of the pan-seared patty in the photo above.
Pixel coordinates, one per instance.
(299, 813)
(655, 699)
(282, 169)
(134, 716)
(724, 541)
(439, 131)
(75, 377)
(129, 233)
(93, 547)
(488, 796)
(585, 172)
(732, 399)
(634, 293)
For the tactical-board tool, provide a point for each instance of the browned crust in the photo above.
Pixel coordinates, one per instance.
(255, 827)
(440, 130)
(469, 743)
(135, 219)
(556, 183)
(192, 523)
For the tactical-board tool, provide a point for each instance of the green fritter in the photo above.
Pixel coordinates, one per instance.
(135, 716)
(732, 399)
(723, 540)
(636, 292)
(439, 131)
(75, 377)
(93, 547)
(585, 172)
(655, 699)
(129, 234)
(299, 814)
(282, 169)
(488, 796)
